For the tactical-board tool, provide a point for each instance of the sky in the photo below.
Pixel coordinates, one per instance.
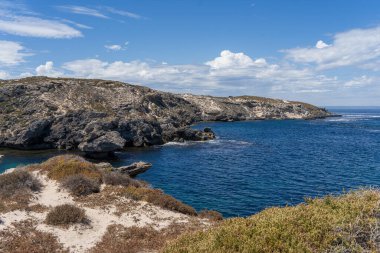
(322, 52)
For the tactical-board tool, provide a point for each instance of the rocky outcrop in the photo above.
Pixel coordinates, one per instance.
(105, 116)
(134, 169)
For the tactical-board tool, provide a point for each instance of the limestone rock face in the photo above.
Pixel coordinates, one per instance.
(134, 169)
(109, 142)
(104, 116)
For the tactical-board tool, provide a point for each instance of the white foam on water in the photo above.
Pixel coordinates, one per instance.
(354, 117)
(374, 131)
(185, 143)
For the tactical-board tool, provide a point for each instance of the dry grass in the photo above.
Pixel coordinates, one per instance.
(16, 190)
(211, 215)
(140, 239)
(60, 167)
(18, 180)
(37, 208)
(23, 237)
(349, 223)
(118, 197)
(159, 198)
(80, 185)
(65, 215)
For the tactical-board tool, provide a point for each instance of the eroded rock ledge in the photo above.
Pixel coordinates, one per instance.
(103, 116)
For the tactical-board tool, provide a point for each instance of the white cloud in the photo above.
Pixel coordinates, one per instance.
(229, 72)
(11, 53)
(359, 81)
(229, 59)
(321, 44)
(47, 69)
(17, 20)
(82, 11)
(114, 47)
(77, 24)
(4, 75)
(348, 48)
(123, 13)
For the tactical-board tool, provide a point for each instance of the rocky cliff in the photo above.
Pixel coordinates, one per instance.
(103, 116)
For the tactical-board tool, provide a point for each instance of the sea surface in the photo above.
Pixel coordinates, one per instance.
(258, 164)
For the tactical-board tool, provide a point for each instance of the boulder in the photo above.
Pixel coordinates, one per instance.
(134, 169)
(109, 142)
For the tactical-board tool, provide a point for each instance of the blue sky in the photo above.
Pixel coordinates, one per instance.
(323, 52)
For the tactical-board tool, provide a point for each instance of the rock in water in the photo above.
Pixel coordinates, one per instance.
(134, 169)
(98, 116)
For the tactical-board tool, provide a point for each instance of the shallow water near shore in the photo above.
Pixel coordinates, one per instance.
(254, 165)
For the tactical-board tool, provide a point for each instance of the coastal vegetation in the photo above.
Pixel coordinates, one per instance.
(16, 189)
(55, 200)
(347, 223)
(66, 214)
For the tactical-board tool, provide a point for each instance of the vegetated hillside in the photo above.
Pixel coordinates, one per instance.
(348, 223)
(103, 116)
(67, 204)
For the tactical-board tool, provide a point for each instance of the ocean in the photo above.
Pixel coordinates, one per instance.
(257, 164)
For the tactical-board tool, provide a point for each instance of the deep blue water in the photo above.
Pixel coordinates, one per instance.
(254, 165)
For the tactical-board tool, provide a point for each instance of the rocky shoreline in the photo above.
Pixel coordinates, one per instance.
(100, 117)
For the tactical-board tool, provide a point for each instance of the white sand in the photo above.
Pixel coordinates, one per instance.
(79, 238)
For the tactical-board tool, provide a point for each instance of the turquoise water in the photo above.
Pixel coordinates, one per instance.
(254, 165)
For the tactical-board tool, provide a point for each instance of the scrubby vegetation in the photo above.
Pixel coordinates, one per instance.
(16, 188)
(24, 237)
(140, 239)
(66, 214)
(159, 198)
(80, 185)
(348, 223)
(115, 178)
(16, 181)
(61, 167)
(211, 215)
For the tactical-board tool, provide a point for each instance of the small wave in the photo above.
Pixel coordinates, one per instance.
(1, 156)
(186, 143)
(236, 142)
(374, 131)
(215, 141)
(354, 117)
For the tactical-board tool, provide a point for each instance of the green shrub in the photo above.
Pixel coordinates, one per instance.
(80, 185)
(66, 215)
(333, 224)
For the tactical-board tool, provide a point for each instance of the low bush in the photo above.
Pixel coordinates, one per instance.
(80, 185)
(60, 167)
(348, 223)
(66, 214)
(159, 198)
(211, 215)
(115, 178)
(16, 190)
(17, 181)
